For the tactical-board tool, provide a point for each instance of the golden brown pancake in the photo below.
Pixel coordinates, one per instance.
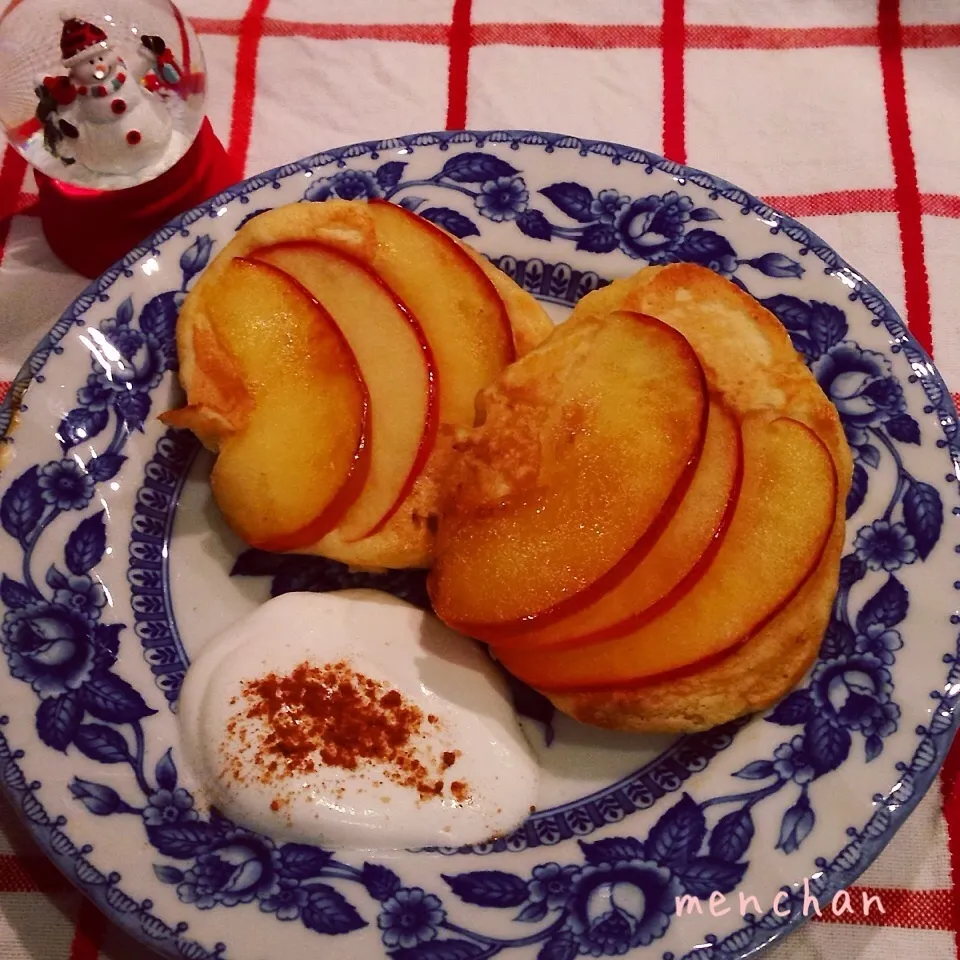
(749, 360)
(210, 380)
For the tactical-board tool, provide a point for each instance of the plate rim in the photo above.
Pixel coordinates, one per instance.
(870, 847)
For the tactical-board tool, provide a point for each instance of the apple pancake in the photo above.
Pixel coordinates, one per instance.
(754, 372)
(469, 321)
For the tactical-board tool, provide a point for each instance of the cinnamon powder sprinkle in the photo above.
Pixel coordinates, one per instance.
(332, 716)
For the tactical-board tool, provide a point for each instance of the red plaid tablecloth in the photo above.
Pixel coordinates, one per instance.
(845, 113)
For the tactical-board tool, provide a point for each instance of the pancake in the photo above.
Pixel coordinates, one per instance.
(750, 362)
(212, 384)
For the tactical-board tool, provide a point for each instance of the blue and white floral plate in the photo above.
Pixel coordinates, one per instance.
(116, 569)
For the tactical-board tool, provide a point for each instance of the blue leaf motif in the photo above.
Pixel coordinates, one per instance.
(827, 744)
(702, 875)
(85, 546)
(852, 570)
(159, 317)
(534, 224)
(858, 490)
(22, 505)
(381, 882)
(612, 849)
(134, 408)
(839, 640)
(259, 563)
(100, 743)
(488, 888)
(704, 214)
(98, 799)
(795, 708)
(107, 638)
(105, 467)
(314, 574)
(732, 836)
(796, 825)
(55, 578)
(58, 720)
(195, 257)
(451, 221)
(776, 265)
(598, 238)
(183, 841)
(573, 199)
(792, 312)
(828, 325)
(301, 862)
(887, 606)
(388, 174)
(327, 911)
(869, 454)
(758, 770)
(167, 874)
(532, 912)
(125, 312)
(705, 247)
(476, 167)
(166, 771)
(562, 947)
(79, 425)
(440, 950)
(872, 747)
(108, 697)
(923, 515)
(676, 837)
(14, 594)
(904, 428)
(412, 203)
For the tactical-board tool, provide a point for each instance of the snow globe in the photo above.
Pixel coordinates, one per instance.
(106, 103)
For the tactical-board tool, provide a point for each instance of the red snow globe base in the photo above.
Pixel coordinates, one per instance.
(124, 218)
(107, 105)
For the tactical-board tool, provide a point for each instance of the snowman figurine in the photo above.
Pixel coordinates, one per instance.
(105, 119)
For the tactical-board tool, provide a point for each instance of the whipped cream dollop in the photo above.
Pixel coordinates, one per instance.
(355, 719)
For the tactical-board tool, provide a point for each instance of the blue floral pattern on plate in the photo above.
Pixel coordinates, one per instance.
(615, 892)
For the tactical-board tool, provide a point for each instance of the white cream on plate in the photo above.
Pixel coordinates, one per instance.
(355, 719)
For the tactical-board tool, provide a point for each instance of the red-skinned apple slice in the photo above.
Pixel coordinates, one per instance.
(298, 463)
(397, 366)
(678, 554)
(782, 523)
(456, 304)
(637, 395)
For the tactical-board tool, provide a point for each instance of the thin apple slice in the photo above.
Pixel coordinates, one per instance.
(290, 473)
(678, 555)
(457, 305)
(397, 365)
(781, 526)
(634, 396)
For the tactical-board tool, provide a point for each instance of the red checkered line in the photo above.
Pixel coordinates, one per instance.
(596, 36)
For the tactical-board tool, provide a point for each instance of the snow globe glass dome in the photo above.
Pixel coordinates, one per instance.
(103, 96)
